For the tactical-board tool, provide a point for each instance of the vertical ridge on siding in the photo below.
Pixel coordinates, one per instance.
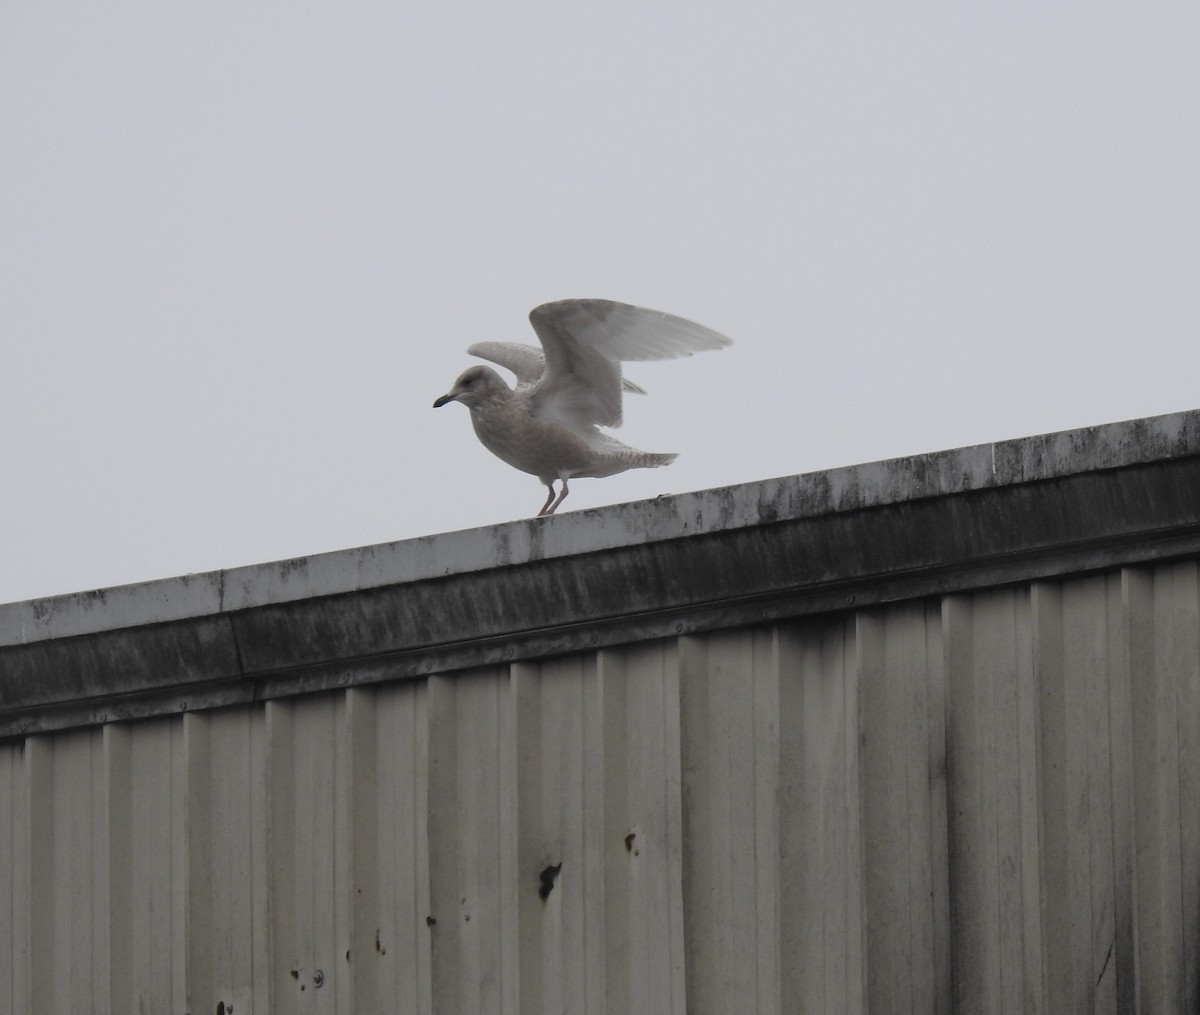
(118, 802)
(351, 761)
(1059, 957)
(617, 852)
(14, 908)
(1088, 621)
(201, 957)
(766, 782)
(657, 945)
(1122, 964)
(39, 780)
(316, 826)
(446, 951)
(535, 941)
(1115, 978)
(364, 879)
(600, 839)
(1181, 647)
(78, 866)
(281, 851)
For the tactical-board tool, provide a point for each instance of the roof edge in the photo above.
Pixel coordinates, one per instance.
(706, 512)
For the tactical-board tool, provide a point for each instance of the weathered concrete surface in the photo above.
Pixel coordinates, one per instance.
(1037, 507)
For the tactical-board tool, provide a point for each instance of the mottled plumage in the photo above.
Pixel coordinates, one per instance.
(548, 425)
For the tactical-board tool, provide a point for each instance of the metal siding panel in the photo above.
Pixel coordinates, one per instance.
(444, 895)
(728, 714)
(239, 736)
(306, 822)
(707, 831)
(285, 952)
(474, 872)
(1155, 800)
(118, 803)
(263, 973)
(1116, 979)
(306, 815)
(226, 876)
(71, 947)
(1164, 658)
(1123, 964)
(617, 853)
(366, 959)
(14, 872)
(392, 962)
(884, 824)
(1180, 633)
(1085, 616)
(555, 827)
(157, 852)
(202, 992)
(534, 939)
(993, 803)
(10, 826)
(347, 749)
(766, 787)
(72, 870)
(100, 903)
(1030, 846)
(821, 919)
(1083, 889)
(810, 817)
(1059, 903)
(900, 688)
(930, 702)
(636, 736)
(601, 841)
(39, 780)
(652, 720)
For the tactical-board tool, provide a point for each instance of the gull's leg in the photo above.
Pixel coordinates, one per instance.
(546, 508)
(561, 497)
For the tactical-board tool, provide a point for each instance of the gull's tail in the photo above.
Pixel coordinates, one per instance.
(653, 459)
(616, 457)
(624, 458)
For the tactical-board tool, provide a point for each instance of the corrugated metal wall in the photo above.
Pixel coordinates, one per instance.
(987, 802)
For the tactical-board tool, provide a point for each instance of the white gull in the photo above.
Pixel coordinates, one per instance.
(549, 424)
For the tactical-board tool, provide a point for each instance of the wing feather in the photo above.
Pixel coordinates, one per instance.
(585, 341)
(620, 331)
(525, 361)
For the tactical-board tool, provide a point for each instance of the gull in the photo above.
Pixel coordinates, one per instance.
(549, 424)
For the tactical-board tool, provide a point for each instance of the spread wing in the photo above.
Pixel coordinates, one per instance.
(584, 342)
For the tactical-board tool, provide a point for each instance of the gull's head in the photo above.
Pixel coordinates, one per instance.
(475, 387)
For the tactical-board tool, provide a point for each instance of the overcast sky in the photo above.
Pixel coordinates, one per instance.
(244, 246)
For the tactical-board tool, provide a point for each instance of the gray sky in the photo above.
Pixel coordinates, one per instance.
(244, 246)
